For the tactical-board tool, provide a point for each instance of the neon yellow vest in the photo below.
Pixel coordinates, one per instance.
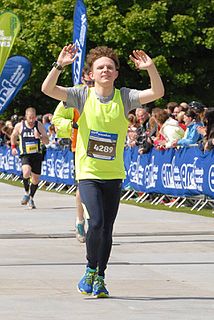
(102, 130)
(62, 120)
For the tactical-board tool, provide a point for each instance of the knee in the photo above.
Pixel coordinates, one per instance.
(96, 225)
(26, 174)
(34, 179)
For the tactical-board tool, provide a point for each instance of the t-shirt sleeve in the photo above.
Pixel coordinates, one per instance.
(130, 98)
(76, 97)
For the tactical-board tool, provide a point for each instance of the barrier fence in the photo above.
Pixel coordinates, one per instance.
(183, 173)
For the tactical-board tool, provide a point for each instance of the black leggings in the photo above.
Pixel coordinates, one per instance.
(101, 199)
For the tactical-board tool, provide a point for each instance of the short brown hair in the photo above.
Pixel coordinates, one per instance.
(100, 52)
(162, 116)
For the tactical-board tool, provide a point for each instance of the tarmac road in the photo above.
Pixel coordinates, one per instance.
(161, 266)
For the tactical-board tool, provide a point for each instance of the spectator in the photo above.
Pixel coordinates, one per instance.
(176, 111)
(191, 135)
(208, 131)
(169, 129)
(143, 139)
(142, 116)
(132, 131)
(7, 131)
(2, 135)
(52, 136)
(180, 119)
(198, 108)
(9, 124)
(184, 106)
(170, 107)
(46, 122)
(14, 119)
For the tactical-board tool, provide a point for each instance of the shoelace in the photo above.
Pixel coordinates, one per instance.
(89, 277)
(99, 282)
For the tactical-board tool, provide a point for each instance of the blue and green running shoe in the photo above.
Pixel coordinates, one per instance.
(85, 286)
(80, 232)
(99, 289)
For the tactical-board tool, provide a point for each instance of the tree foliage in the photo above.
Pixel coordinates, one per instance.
(177, 34)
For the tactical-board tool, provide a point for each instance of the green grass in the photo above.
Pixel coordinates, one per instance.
(204, 212)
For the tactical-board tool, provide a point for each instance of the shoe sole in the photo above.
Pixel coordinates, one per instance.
(24, 203)
(84, 292)
(80, 238)
(101, 295)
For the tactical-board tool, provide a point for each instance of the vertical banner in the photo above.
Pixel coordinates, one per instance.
(9, 28)
(16, 71)
(79, 38)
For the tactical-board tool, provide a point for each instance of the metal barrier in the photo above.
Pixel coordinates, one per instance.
(196, 202)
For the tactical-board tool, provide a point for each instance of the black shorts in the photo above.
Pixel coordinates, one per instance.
(34, 161)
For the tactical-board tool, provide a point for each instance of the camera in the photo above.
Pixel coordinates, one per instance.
(143, 141)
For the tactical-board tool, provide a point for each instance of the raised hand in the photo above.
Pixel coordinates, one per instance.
(141, 60)
(67, 55)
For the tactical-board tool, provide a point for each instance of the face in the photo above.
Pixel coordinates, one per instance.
(30, 118)
(187, 120)
(104, 71)
(141, 115)
(176, 112)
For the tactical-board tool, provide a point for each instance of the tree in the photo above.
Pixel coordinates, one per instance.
(176, 33)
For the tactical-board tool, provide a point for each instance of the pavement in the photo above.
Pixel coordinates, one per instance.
(161, 266)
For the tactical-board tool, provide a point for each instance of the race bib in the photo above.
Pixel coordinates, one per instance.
(31, 147)
(102, 145)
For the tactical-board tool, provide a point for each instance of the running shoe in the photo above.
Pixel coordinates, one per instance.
(80, 232)
(85, 286)
(99, 289)
(31, 204)
(25, 199)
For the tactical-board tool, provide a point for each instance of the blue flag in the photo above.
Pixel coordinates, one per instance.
(16, 71)
(79, 39)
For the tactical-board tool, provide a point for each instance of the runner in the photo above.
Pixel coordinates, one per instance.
(65, 121)
(30, 132)
(102, 129)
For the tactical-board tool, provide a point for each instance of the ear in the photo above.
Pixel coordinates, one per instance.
(90, 74)
(116, 74)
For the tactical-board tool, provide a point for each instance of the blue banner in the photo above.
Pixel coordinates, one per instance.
(16, 71)
(79, 39)
(8, 163)
(183, 172)
(58, 167)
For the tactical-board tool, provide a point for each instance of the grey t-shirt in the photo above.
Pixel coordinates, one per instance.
(77, 97)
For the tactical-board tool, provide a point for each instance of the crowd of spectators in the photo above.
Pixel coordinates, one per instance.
(178, 125)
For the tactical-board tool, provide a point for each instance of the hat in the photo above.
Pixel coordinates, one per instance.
(197, 106)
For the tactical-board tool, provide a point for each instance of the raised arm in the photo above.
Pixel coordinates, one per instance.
(49, 86)
(143, 62)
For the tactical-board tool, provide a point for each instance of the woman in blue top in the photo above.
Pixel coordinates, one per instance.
(191, 136)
